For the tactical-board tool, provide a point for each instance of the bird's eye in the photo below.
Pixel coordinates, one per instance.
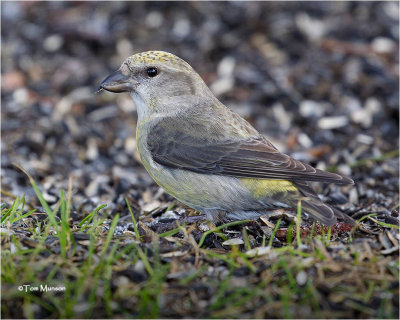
(151, 72)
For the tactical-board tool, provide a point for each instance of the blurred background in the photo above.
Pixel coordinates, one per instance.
(320, 79)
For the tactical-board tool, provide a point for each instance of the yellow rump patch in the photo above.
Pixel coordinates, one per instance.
(264, 187)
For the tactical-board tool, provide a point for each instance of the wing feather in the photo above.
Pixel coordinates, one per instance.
(252, 157)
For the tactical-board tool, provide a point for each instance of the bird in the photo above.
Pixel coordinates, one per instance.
(206, 155)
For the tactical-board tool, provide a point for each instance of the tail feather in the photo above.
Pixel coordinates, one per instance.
(324, 213)
(317, 209)
(321, 212)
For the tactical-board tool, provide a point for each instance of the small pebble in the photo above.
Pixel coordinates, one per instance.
(301, 278)
(313, 28)
(309, 108)
(233, 242)
(181, 28)
(284, 117)
(338, 197)
(204, 227)
(222, 86)
(304, 140)
(353, 196)
(327, 123)
(344, 169)
(383, 45)
(363, 138)
(154, 19)
(92, 151)
(226, 67)
(53, 43)
(139, 266)
(21, 95)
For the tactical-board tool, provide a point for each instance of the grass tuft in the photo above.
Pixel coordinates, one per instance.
(109, 274)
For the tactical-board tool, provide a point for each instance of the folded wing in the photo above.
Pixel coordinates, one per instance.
(250, 157)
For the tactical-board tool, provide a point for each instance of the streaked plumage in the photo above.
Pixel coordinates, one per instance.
(206, 155)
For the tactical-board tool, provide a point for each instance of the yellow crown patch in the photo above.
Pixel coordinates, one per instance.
(149, 57)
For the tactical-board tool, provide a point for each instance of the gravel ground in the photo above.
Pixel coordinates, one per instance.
(320, 79)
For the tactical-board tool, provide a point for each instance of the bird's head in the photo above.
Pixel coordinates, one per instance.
(154, 74)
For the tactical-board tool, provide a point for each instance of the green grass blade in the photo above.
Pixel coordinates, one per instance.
(205, 234)
(298, 223)
(274, 232)
(83, 224)
(135, 227)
